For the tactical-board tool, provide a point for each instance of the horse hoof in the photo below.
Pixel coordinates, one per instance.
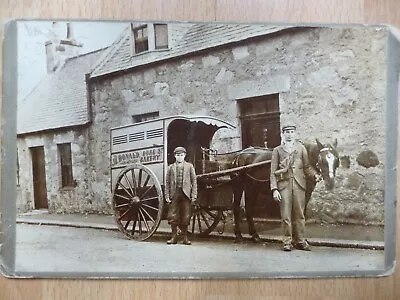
(238, 239)
(255, 239)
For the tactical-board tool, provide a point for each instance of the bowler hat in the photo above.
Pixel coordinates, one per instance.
(179, 150)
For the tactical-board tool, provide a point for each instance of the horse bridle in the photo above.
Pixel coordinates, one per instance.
(330, 150)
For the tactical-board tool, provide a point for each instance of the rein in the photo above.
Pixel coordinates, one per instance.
(255, 179)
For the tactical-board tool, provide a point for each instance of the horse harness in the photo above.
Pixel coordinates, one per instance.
(236, 163)
(329, 155)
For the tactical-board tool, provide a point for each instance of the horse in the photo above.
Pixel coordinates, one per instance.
(324, 158)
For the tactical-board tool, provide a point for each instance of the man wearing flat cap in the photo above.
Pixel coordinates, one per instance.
(181, 193)
(289, 168)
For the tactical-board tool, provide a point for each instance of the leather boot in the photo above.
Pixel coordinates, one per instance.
(174, 238)
(185, 237)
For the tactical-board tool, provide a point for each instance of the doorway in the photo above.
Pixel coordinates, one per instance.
(260, 126)
(39, 178)
(260, 121)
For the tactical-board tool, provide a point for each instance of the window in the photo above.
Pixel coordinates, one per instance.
(161, 36)
(66, 165)
(148, 37)
(145, 117)
(141, 39)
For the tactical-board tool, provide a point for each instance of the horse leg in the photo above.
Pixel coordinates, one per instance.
(251, 196)
(237, 195)
(310, 188)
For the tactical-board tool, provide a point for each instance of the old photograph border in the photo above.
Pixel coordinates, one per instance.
(9, 174)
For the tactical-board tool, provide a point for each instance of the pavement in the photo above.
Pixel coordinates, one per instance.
(328, 235)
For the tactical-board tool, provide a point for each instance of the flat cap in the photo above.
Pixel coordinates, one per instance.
(179, 150)
(288, 126)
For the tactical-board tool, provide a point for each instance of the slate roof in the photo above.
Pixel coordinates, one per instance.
(60, 99)
(198, 37)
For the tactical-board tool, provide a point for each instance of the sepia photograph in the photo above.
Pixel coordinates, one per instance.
(203, 150)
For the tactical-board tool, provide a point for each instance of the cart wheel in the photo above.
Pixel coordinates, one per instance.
(137, 202)
(204, 220)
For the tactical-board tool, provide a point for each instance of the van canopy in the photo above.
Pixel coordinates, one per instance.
(192, 132)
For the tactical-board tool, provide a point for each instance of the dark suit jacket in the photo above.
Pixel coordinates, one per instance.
(189, 185)
(300, 168)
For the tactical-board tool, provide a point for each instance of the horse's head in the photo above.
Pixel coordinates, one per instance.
(328, 162)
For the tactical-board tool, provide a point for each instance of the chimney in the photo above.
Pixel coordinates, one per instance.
(58, 51)
(51, 56)
(69, 31)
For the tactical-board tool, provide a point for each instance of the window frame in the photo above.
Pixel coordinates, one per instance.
(153, 115)
(162, 47)
(65, 164)
(140, 41)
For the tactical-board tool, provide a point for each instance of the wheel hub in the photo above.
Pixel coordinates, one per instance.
(136, 200)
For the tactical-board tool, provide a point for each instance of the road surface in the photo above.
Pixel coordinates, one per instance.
(62, 250)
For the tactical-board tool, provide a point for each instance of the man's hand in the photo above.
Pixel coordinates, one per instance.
(195, 204)
(277, 196)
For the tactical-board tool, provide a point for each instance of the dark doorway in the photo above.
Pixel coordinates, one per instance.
(260, 125)
(39, 177)
(260, 119)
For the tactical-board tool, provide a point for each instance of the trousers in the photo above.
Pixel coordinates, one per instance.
(180, 209)
(292, 213)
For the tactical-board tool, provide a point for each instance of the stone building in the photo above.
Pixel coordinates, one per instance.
(52, 136)
(331, 81)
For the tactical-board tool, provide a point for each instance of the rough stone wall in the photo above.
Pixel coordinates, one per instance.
(60, 200)
(342, 95)
(331, 81)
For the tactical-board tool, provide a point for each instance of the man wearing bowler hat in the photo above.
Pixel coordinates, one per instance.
(181, 193)
(289, 168)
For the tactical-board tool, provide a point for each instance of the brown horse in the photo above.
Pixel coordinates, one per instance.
(252, 181)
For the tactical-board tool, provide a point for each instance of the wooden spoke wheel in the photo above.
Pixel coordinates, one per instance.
(204, 220)
(137, 202)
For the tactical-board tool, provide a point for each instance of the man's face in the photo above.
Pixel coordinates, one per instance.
(180, 157)
(289, 135)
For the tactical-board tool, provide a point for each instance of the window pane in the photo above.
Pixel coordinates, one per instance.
(141, 46)
(140, 39)
(145, 117)
(259, 105)
(66, 165)
(161, 36)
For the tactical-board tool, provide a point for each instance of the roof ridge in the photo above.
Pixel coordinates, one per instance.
(87, 53)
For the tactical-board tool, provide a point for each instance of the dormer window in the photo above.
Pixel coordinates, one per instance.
(149, 37)
(141, 39)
